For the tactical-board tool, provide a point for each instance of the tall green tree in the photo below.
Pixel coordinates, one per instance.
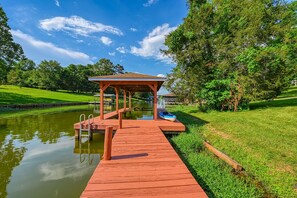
(50, 75)
(10, 52)
(241, 50)
(22, 74)
(103, 67)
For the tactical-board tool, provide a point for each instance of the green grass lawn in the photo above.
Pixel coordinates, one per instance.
(15, 95)
(263, 140)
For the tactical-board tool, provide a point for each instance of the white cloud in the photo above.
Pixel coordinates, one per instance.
(111, 53)
(133, 29)
(57, 3)
(121, 50)
(76, 25)
(151, 45)
(105, 40)
(49, 49)
(53, 172)
(79, 41)
(161, 75)
(149, 3)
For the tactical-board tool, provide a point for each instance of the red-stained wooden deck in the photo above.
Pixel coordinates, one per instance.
(164, 125)
(143, 163)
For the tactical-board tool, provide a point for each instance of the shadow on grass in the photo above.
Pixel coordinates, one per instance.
(13, 98)
(189, 120)
(274, 103)
(292, 92)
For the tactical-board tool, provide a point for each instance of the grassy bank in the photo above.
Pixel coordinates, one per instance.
(15, 95)
(263, 140)
(214, 176)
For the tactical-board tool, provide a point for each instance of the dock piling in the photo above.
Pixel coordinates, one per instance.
(107, 143)
(120, 120)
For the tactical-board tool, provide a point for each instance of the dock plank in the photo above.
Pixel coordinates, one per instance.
(143, 164)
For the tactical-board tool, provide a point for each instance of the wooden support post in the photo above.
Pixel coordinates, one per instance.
(154, 88)
(120, 120)
(117, 99)
(155, 102)
(77, 133)
(101, 101)
(107, 143)
(224, 157)
(125, 100)
(130, 100)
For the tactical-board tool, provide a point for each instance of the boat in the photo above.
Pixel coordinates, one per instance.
(167, 116)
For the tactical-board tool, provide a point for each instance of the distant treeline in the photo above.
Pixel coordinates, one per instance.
(51, 75)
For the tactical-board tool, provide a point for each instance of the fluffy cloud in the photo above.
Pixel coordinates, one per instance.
(57, 3)
(49, 50)
(149, 3)
(161, 75)
(111, 53)
(105, 40)
(133, 29)
(76, 25)
(121, 50)
(151, 45)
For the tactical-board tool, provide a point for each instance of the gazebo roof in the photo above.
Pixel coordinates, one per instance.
(127, 77)
(130, 81)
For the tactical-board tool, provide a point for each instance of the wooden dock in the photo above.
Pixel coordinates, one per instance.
(98, 124)
(143, 164)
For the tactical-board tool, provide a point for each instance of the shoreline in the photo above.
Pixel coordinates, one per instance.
(29, 106)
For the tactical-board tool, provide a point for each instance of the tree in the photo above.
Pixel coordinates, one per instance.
(118, 69)
(10, 52)
(50, 75)
(103, 67)
(22, 74)
(106, 67)
(241, 50)
(183, 83)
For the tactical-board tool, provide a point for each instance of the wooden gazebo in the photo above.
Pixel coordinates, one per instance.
(131, 83)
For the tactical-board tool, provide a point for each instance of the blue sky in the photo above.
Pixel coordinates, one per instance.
(128, 32)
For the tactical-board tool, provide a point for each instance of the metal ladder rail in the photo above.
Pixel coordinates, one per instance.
(90, 124)
(89, 128)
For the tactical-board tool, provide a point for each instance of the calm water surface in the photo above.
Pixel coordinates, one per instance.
(39, 156)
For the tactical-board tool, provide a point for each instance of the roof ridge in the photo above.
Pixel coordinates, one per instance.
(128, 75)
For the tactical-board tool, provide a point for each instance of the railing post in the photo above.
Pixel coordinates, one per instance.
(120, 120)
(107, 143)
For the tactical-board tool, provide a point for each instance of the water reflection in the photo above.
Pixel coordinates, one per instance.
(39, 149)
(10, 157)
(87, 149)
(140, 111)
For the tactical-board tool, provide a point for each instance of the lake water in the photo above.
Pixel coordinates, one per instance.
(39, 156)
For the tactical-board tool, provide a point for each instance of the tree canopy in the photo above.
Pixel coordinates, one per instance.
(52, 76)
(231, 52)
(10, 52)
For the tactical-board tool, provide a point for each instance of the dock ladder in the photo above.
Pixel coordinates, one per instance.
(82, 121)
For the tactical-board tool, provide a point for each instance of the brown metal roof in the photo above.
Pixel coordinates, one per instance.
(134, 82)
(125, 76)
